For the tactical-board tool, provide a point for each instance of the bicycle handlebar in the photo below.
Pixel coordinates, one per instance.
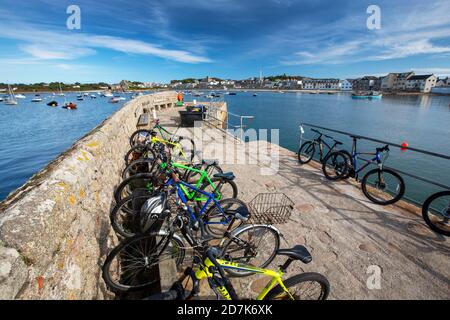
(385, 148)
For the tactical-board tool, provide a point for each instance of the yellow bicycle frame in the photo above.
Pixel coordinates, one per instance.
(174, 145)
(204, 273)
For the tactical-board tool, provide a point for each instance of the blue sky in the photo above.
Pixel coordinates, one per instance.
(172, 39)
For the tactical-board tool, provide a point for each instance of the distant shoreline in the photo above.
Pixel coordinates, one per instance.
(248, 90)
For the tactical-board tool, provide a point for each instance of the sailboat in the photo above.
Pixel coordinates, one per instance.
(10, 101)
(61, 94)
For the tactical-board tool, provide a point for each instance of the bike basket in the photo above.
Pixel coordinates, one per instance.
(271, 208)
(153, 213)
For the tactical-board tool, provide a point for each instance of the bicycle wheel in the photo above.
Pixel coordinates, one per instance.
(305, 286)
(348, 172)
(143, 181)
(335, 166)
(140, 136)
(383, 187)
(254, 245)
(184, 150)
(133, 265)
(217, 219)
(220, 187)
(306, 152)
(436, 212)
(124, 213)
(139, 152)
(139, 166)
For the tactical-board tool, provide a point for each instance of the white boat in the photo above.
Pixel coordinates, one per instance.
(37, 98)
(10, 101)
(114, 100)
(1, 99)
(61, 94)
(93, 96)
(19, 96)
(108, 94)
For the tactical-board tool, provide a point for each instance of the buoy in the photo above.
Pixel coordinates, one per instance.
(405, 146)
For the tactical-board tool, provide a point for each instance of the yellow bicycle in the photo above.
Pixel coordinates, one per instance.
(304, 286)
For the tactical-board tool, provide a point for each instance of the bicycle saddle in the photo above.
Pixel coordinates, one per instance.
(210, 162)
(297, 253)
(226, 175)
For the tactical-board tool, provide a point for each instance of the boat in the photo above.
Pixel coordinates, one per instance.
(114, 100)
(255, 94)
(80, 97)
(10, 101)
(367, 95)
(1, 99)
(107, 94)
(119, 98)
(70, 106)
(232, 93)
(37, 98)
(53, 103)
(93, 96)
(61, 94)
(19, 96)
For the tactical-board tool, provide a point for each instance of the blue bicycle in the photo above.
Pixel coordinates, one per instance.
(382, 186)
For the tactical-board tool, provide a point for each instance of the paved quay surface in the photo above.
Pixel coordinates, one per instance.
(345, 233)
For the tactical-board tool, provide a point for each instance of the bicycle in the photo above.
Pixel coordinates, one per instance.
(183, 147)
(436, 212)
(381, 185)
(308, 149)
(130, 266)
(213, 269)
(145, 185)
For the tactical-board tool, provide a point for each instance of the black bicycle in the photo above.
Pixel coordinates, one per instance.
(436, 212)
(308, 149)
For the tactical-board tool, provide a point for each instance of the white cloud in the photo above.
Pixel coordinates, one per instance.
(65, 45)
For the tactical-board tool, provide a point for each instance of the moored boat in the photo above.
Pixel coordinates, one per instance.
(53, 103)
(19, 96)
(70, 106)
(37, 98)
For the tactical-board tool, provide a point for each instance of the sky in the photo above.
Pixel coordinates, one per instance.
(174, 39)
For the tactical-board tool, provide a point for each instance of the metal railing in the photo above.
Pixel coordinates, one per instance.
(214, 112)
(356, 137)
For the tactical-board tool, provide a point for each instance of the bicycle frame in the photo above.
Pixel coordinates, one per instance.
(203, 272)
(356, 156)
(203, 176)
(210, 199)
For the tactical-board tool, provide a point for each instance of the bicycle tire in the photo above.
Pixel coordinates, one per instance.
(190, 151)
(349, 164)
(237, 236)
(138, 132)
(213, 217)
(302, 278)
(118, 192)
(339, 168)
(139, 149)
(147, 166)
(306, 147)
(375, 200)
(426, 208)
(219, 183)
(117, 287)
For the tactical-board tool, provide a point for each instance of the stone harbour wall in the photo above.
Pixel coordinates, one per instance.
(55, 230)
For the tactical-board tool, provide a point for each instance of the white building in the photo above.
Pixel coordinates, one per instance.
(347, 85)
(443, 82)
(322, 84)
(422, 83)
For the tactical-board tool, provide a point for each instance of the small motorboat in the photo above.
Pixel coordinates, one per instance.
(255, 94)
(108, 95)
(232, 93)
(37, 98)
(119, 98)
(19, 96)
(1, 99)
(80, 97)
(70, 106)
(93, 96)
(53, 103)
(114, 100)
